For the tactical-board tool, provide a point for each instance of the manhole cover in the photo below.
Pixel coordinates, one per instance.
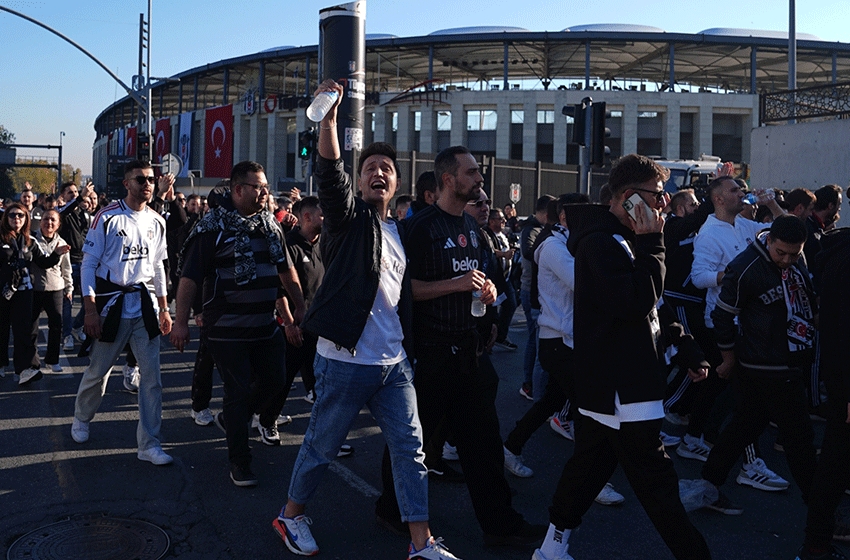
(105, 538)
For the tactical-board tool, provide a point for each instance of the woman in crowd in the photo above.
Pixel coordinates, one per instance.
(49, 287)
(17, 253)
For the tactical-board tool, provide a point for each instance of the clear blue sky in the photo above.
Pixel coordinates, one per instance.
(47, 86)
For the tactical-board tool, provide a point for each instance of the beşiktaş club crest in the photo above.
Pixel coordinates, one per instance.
(151, 233)
(473, 238)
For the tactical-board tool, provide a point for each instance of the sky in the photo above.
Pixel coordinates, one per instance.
(48, 87)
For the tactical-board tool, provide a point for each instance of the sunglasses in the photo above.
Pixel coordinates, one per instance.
(659, 195)
(142, 179)
(16, 215)
(479, 203)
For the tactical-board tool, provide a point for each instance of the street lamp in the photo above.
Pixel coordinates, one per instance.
(59, 173)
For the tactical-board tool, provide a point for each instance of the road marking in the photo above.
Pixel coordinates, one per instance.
(353, 480)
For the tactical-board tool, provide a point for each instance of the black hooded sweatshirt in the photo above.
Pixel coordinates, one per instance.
(619, 280)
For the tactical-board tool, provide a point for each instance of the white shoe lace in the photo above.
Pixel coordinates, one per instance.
(437, 544)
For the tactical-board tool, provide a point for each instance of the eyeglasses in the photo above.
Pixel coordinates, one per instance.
(258, 187)
(659, 195)
(142, 179)
(16, 215)
(479, 203)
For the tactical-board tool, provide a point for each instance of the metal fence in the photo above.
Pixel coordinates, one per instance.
(815, 102)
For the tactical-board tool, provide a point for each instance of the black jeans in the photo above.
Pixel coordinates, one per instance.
(449, 383)
(831, 478)
(202, 376)
(16, 313)
(555, 358)
(253, 374)
(297, 358)
(762, 399)
(51, 303)
(650, 472)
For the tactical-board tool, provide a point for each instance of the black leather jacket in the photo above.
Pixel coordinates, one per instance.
(351, 251)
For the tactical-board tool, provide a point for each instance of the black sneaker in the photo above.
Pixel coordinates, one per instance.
(242, 476)
(725, 506)
(831, 554)
(219, 421)
(506, 344)
(441, 472)
(526, 535)
(525, 391)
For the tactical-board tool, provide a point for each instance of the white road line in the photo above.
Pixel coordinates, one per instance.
(353, 480)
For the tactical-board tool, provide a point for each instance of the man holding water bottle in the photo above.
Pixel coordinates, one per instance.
(445, 259)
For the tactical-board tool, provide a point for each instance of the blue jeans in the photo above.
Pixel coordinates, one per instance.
(67, 321)
(341, 391)
(531, 366)
(93, 384)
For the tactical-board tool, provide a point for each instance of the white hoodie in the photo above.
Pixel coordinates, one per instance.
(555, 286)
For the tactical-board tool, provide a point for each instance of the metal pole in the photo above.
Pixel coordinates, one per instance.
(148, 91)
(59, 174)
(792, 56)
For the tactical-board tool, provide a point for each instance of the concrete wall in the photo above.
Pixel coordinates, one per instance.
(807, 155)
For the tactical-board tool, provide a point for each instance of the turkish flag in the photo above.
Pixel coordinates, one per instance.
(218, 142)
(162, 139)
(130, 142)
(109, 148)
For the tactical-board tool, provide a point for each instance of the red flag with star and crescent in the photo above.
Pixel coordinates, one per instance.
(130, 147)
(162, 139)
(218, 142)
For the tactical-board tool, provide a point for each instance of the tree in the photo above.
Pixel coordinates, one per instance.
(6, 187)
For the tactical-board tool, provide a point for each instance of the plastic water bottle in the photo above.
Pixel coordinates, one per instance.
(321, 104)
(750, 198)
(478, 308)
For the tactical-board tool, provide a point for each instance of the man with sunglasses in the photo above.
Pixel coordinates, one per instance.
(123, 285)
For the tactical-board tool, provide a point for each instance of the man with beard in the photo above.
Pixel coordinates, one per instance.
(825, 214)
(122, 271)
(444, 248)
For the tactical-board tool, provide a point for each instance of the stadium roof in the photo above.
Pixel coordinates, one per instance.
(717, 59)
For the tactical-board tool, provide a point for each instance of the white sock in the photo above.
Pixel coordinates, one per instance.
(555, 544)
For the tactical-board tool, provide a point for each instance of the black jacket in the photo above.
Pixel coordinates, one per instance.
(14, 263)
(75, 225)
(833, 267)
(618, 342)
(679, 235)
(752, 291)
(351, 252)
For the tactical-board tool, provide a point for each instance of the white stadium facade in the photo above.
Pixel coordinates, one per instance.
(498, 91)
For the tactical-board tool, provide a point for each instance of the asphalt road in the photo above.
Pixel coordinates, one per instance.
(45, 477)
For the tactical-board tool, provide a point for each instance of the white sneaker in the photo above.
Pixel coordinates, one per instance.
(131, 378)
(434, 550)
(670, 441)
(310, 397)
(283, 420)
(80, 431)
(450, 452)
(55, 368)
(693, 448)
(69, 343)
(204, 417)
(757, 475)
(29, 375)
(514, 464)
(155, 455)
(539, 556)
(78, 334)
(608, 496)
(563, 429)
(296, 534)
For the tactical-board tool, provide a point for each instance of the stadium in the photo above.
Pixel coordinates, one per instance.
(497, 90)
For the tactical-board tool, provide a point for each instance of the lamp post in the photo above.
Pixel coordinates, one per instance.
(59, 173)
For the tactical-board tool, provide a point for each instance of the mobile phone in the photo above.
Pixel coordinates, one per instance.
(631, 205)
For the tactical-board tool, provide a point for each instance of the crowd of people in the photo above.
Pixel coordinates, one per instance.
(717, 308)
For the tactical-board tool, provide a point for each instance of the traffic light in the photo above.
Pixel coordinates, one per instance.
(306, 143)
(598, 133)
(143, 147)
(578, 113)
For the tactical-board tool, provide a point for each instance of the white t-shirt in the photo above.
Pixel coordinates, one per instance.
(127, 248)
(380, 343)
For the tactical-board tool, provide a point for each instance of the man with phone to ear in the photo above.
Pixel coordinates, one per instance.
(619, 276)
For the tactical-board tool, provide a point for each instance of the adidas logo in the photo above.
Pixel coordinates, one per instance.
(449, 244)
(121, 233)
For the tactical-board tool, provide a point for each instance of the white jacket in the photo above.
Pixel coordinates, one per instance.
(555, 286)
(716, 244)
(58, 276)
